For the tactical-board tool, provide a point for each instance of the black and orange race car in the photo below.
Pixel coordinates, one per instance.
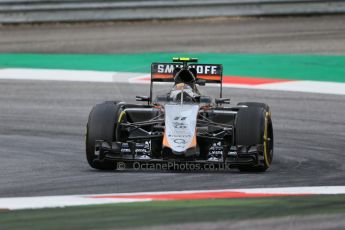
(181, 129)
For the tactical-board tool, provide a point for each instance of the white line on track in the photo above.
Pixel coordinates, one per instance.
(16, 203)
(67, 75)
(124, 77)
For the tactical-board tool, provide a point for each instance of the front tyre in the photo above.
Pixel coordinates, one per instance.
(256, 104)
(254, 130)
(101, 126)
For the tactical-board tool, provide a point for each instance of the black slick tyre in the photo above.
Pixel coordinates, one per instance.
(254, 130)
(101, 125)
(256, 104)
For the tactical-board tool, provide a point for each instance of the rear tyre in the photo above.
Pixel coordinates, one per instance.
(101, 126)
(254, 130)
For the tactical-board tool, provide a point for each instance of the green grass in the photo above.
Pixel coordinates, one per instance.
(295, 67)
(118, 216)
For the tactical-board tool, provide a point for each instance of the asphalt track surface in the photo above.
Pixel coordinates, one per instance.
(42, 123)
(322, 35)
(42, 142)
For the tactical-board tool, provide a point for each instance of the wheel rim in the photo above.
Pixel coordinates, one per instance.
(121, 119)
(268, 140)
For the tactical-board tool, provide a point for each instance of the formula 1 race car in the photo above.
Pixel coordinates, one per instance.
(180, 127)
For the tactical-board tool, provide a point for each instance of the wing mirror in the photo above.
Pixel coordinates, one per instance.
(205, 100)
(162, 99)
(142, 98)
(201, 82)
(222, 101)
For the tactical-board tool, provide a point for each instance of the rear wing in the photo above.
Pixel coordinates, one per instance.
(212, 73)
